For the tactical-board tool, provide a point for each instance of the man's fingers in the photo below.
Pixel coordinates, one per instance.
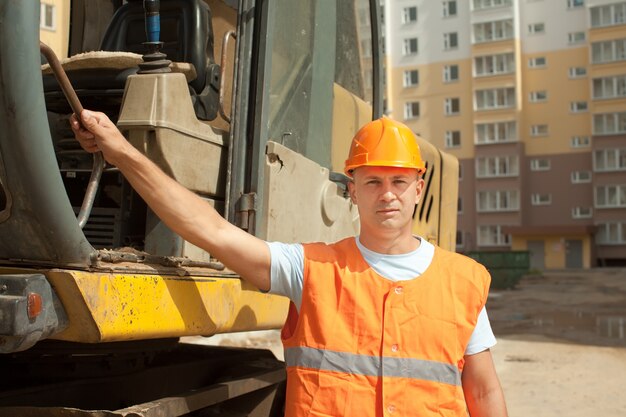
(79, 130)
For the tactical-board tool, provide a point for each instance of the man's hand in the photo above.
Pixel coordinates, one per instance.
(96, 133)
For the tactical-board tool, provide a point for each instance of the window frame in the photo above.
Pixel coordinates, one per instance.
(505, 126)
(409, 107)
(450, 41)
(43, 24)
(539, 130)
(407, 17)
(581, 177)
(540, 164)
(533, 62)
(407, 47)
(407, 75)
(579, 212)
(502, 239)
(451, 139)
(539, 199)
(450, 104)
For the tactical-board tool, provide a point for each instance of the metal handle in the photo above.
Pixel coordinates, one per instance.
(77, 108)
(227, 36)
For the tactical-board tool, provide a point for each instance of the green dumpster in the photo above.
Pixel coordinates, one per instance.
(506, 268)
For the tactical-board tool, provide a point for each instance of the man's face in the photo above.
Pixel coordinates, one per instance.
(385, 196)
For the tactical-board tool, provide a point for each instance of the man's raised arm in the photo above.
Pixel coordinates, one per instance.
(181, 210)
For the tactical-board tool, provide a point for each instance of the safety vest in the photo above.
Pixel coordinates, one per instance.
(363, 345)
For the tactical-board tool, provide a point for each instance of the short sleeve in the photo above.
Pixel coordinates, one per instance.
(287, 270)
(482, 338)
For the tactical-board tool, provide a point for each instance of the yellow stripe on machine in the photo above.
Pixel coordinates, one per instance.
(106, 307)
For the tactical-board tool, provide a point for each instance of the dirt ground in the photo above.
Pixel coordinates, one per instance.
(561, 343)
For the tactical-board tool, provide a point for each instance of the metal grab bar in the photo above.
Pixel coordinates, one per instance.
(225, 40)
(77, 108)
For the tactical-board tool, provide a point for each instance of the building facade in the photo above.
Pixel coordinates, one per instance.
(530, 96)
(54, 25)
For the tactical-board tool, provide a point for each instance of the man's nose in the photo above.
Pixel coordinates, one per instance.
(387, 192)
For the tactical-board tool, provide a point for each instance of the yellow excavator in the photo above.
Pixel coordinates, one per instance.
(251, 104)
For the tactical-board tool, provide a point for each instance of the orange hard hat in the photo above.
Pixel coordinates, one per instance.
(384, 142)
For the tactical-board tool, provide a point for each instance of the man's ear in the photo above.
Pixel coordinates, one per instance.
(419, 188)
(352, 191)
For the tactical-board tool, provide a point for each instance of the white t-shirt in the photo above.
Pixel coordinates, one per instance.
(287, 278)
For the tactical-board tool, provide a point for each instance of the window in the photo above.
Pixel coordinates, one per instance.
(580, 177)
(576, 37)
(450, 40)
(409, 47)
(411, 78)
(580, 142)
(613, 233)
(459, 205)
(452, 106)
(453, 139)
(578, 106)
(450, 73)
(582, 212)
(497, 200)
(539, 164)
(488, 4)
(493, 31)
(536, 28)
(411, 109)
(496, 132)
(538, 96)
(609, 160)
(609, 123)
(577, 72)
(608, 51)
(608, 15)
(537, 62)
(409, 14)
(47, 17)
(498, 98)
(494, 64)
(609, 87)
(610, 196)
(497, 166)
(492, 236)
(449, 8)
(540, 199)
(571, 4)
(459, 239)
(539, 130)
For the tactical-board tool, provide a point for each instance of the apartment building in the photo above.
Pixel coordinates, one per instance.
(54, 25)
(530, 96)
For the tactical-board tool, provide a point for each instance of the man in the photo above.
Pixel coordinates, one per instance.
(380, 324)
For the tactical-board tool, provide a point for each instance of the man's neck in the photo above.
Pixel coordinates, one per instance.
(389, 243)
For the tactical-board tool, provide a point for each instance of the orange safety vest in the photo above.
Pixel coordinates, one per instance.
(366, 346)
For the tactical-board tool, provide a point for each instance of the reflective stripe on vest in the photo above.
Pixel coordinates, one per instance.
(349, 363)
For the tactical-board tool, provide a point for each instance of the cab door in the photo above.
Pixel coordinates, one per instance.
(314, 82)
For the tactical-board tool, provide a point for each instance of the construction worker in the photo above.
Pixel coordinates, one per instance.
(384, 323)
